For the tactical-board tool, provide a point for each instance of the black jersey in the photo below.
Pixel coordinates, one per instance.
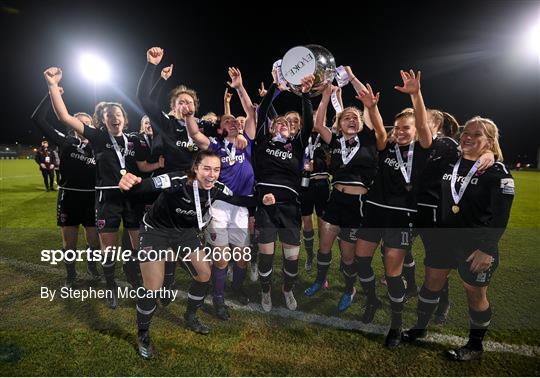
(361, 169)
(321, 154)
(178, 148)
(443, 149)
(484, 209)
(78, 169)
(145, 151)
(389, 189)
(279, 162)
(174, 209)
(107, 162)
(143, 147)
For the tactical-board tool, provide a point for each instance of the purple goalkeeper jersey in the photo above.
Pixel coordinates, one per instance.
(236, 169)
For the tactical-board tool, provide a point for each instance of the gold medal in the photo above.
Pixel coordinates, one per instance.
(123, 172)
(455, 209)
(231, 162)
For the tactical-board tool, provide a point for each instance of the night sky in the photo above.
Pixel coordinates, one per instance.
(470, 55)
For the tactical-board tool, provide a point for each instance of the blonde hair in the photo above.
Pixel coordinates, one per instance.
(182, 89)
(145, 117)
(492, 133)
(340, 115)
(438, 117)
(279, 118)
(407, 112)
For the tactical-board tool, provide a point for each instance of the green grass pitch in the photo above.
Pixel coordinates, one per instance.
(69, 337)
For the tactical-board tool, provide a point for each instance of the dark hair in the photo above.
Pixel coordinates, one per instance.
(101, 109)
(450, 125)
(197, 160)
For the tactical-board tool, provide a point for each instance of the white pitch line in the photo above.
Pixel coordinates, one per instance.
(327, 321)
(15, 177)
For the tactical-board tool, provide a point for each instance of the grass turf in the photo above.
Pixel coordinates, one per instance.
(69, 337)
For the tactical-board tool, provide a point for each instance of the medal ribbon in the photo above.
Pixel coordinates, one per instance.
(121, 157)
(458, 195)
(347, 157)
(198, 208)
(410, 156)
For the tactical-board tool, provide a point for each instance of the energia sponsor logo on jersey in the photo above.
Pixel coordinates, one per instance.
(238, 158)
(187, 144)
(130, 151)
(279, 154)
(448, 177)
(86, 159)
(393, 163)
(190, 213)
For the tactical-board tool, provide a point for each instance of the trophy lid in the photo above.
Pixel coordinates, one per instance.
(297, 63)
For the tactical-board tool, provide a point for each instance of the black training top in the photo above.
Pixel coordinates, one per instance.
(484, 209)
(78, 169)
(321, 156)
(361, 169)
(279, 162)
(174, 209)
(108, 164)
(442, 149)
(389, 189)
(178, 148)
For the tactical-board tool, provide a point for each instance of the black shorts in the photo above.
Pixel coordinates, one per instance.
(346, 211)
(281, 219)
(75, 208)
(316, 195)
(394, 227)
(113, 207)
(181, 244)
(425, 226)
(454, 246)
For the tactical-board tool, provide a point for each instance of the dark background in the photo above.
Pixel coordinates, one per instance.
(470, 54)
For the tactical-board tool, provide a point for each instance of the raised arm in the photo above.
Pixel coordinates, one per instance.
(326, 134)
(263, 109)
(144, 89)
(307, 110)
(199, 138)
(227, 101)
(357, 84)
(155, 92)
(53, 76)
(370, 101)
(39, 117)
(411, 86)
(237, 83)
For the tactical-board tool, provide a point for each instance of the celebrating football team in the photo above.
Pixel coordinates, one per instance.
(235, 191)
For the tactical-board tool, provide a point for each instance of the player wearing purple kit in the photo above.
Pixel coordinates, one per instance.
(228, 230)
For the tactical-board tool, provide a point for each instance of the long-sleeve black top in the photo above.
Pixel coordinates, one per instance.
(178, 148)
(78, 169)
(174, 209)
(484, 209)
(279, 164)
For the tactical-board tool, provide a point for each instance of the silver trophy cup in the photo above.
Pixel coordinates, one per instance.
(301, 61)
